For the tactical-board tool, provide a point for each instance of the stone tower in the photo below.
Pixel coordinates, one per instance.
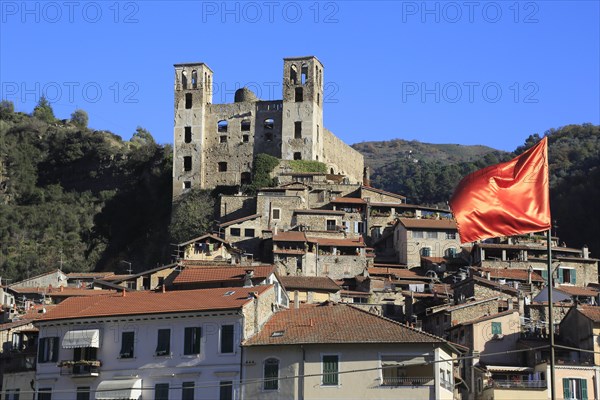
(193, 92)
(302, 120)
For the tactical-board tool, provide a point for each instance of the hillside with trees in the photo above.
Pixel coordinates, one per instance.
(83, 199)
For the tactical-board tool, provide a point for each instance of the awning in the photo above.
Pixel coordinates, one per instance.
(85, 338)
(119, 389)
(507, 368)
(399, 360)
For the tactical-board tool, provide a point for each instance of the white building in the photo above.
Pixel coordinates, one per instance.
(150, 345)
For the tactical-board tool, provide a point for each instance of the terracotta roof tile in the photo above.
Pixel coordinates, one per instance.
(61, 291)
(239, 220)
(221, 274)
(511, 273)
(336, 242)
(309, 282)
(415, 223)
(84, 275)
(290, 236)
(591, 312)
(335, 323)
(578, 291)
(141, 303)
(485, 318)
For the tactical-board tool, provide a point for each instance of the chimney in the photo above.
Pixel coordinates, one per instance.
(164, 289)
(529, 272)
(586, 252)
(509, 302)
(62, 289)
(123, 293)
(296, 299)
(248, 278)
(488, 275)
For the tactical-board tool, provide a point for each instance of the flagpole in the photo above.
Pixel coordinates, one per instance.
(551, 315)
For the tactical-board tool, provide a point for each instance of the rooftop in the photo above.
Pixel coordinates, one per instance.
(590, 312)
(335, 323)
(416, 223)
(309, 283)
(336, 242)
(142, 303)
(290, 236)
(222, 274)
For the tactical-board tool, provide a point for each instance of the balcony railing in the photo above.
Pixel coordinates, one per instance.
(80, 367)
(407, 381)
(508, 384)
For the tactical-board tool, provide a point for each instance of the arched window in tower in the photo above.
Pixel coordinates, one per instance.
(205, 79)
(222, 125)
(297, 156)
(194, 79)
(331, 171)
(184, 79)
(245, 125)
(293, 74)
(304, 73)
(268, 124)
(246, 178)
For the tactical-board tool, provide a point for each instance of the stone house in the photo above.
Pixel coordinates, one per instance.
(338, 351)
(52, 278)
(311, 289)
(481, 288)
(208, 247)
(581, 328)
(414, 238)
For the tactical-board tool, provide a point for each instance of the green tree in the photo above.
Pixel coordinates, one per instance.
(192, 215)
(80, 118)
(7, 108)
(43, 111)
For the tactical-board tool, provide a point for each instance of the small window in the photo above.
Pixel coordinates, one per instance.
(276, 213)
(184, 79)
(496, 328)
(271, 374)
(48, 350)
(450, 235)
(246, 178)
(194, 79)
(187, 391)
(226, 390)
(297, 156)
(188, 134)
(330, 225)
(127, 345)
(187, 163)
(227, 339)
(249, 232)
(298, 130)
(163, 345)
(188, 101)
(45, 394)
(268, 124)
(245, 125)
(222, 166)
(161, 391)
(191, 340)
(245, 138)
(451, 253)
(417, 234)
(330, 370)
(235, 232)
(426, 251)
(187, 184)
(222, 125)
(83, 393)
(223, 139)
(298, 95)
(318, 98)
(293, 74)
(432, 235)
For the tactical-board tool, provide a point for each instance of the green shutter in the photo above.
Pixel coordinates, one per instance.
(545, 274)
(560, 275)
(573, 277)
(330, 370)
(496, 328)
(566, 389)
(54, 349)
(583, 389)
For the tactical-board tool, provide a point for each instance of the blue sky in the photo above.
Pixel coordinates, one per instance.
(480, 72)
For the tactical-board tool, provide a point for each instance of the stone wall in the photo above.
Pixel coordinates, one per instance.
(342, 158)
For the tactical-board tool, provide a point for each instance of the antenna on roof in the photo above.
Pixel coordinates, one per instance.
(129, 270)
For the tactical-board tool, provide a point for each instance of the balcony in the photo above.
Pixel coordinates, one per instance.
(508, 384)
(407, 381)
(80, 368)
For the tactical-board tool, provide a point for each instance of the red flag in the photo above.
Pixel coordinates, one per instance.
(505, 199)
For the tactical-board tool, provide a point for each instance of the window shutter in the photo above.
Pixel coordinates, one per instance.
(356, 227)
(573, 276)
(330, 370)
(584, 395)
(54, 349)
(187, 341)
(566, 389)
(545, 274)
(560, 275)
(42, 350)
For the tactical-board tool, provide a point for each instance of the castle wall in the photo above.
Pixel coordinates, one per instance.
(341, 158)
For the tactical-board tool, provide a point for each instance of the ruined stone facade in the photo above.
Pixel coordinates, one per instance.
(215, 144)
